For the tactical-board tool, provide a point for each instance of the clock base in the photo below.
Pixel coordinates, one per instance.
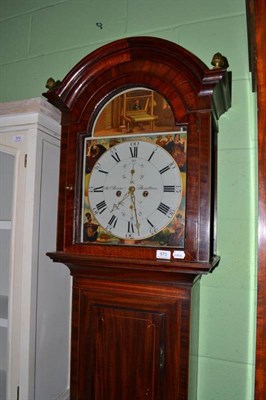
(130, 332)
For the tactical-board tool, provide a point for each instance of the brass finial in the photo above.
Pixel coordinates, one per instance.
(51, 84)
(219, 61)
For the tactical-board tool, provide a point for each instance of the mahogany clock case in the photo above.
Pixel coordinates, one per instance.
(197, 97)
(131, 309)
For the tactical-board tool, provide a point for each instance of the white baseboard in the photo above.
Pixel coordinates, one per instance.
(64, 396)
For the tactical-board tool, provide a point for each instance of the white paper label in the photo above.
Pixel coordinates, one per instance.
(163, 254)
(18, 138)
(178, 254)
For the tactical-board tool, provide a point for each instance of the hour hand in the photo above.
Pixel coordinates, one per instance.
(118, 204)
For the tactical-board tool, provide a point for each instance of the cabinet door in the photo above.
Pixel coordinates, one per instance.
(129, 342)
(7, 166)
(121, 352)
(124, 351)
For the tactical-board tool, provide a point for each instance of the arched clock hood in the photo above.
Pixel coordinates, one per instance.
(197, 96)
(143, 61)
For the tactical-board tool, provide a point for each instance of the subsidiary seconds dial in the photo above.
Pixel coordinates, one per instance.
(135, 189)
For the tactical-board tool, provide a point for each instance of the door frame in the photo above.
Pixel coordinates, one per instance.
(256, 11)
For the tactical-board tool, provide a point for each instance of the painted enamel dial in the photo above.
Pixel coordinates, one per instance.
(135, 189)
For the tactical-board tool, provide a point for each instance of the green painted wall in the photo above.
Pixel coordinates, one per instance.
(43, 38)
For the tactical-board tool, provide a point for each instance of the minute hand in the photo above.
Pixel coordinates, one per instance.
(133, 202)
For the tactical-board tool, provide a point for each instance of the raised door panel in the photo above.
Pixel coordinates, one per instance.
(124, 350)
(120, 351)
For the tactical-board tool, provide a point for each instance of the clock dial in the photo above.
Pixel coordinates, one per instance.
(134, 189)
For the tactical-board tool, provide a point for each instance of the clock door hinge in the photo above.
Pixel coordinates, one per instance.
(161, 358)
(25, 160)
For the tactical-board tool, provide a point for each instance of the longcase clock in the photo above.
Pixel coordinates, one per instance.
(137, 210)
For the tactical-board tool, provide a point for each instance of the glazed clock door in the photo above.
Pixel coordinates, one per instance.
(134, 190)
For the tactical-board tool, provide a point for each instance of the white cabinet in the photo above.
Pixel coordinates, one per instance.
(34, 292)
